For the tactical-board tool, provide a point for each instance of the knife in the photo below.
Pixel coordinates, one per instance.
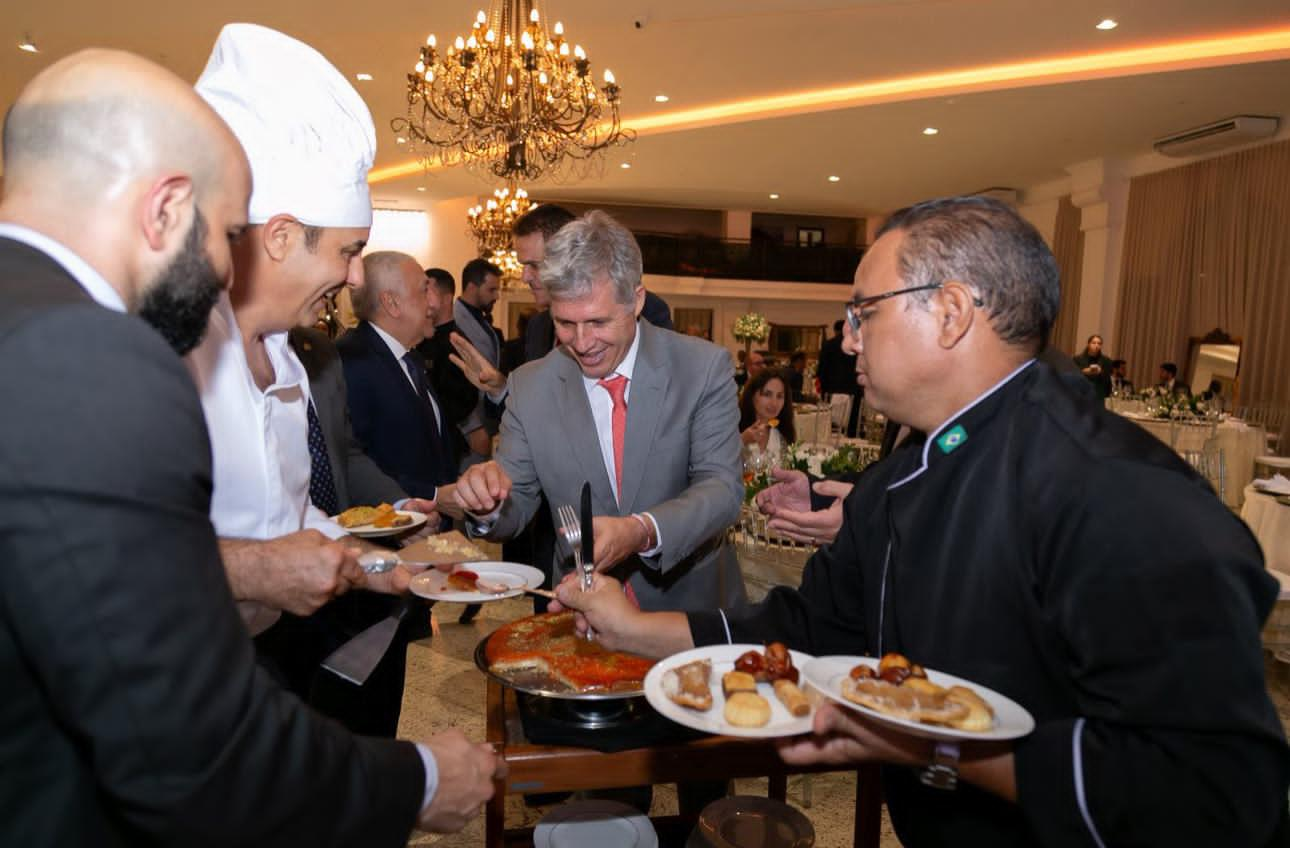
(588, 537)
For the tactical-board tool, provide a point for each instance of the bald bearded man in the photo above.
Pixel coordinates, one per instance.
(134, 712)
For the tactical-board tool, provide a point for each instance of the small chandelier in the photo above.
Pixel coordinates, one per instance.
(511, 98)
(491, 222)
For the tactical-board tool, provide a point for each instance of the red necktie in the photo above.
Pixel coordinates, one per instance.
(617, 388)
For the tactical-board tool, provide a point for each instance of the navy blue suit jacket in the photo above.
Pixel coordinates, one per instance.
(395, 427)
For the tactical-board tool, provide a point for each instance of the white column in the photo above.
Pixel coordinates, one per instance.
(1099, 191)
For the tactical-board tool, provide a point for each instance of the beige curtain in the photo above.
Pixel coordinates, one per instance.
(1068, 248)
(1208, 245)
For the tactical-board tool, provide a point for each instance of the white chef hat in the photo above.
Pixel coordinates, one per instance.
(306, 131)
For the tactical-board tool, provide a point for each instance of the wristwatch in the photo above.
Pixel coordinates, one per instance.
(943, 771)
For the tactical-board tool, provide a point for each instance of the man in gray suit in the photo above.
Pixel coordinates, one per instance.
(646, 415)
(472, 312)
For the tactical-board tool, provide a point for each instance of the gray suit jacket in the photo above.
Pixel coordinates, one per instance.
(681, 463)
(358, 478)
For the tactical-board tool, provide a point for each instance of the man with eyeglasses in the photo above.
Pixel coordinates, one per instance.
(994, 549)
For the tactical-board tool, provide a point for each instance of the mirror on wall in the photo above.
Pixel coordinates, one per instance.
(1215, 359)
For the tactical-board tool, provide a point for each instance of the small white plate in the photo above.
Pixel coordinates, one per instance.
(782, 722)
(367, 531)
(1011, 720)
(595, 824)
(433, 583)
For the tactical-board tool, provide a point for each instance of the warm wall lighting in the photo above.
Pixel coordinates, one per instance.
(363, 77)
(774, 196)
(930, 130)
(1107, 23)
(660, 98)
(834, 179)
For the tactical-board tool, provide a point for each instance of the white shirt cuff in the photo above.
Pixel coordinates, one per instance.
(432, 775)
(500, 396)
(316, 519)
(658, 534)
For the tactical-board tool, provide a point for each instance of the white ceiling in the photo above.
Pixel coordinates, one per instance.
(704, 52)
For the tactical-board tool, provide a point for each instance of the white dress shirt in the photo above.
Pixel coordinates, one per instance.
(259, 442)
(92, 281)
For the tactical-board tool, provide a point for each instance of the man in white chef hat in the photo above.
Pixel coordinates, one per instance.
(310, 141)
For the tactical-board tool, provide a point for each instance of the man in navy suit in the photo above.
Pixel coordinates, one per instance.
(394, 409)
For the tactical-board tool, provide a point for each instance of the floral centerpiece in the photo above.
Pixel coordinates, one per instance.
(750, 328)
(1162, 403)
(825, 463)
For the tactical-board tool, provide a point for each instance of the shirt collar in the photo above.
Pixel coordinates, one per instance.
(625, 368)
(81, 271)
(479, 314)
(396, 347)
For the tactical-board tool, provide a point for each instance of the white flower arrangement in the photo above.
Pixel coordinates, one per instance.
(752, 327)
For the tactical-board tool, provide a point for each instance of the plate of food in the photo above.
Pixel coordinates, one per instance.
(733, 690)
(382, 520)
(478, 583)
(545, 655)
(902, 694)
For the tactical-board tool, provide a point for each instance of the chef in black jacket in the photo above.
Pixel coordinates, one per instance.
(996, 549)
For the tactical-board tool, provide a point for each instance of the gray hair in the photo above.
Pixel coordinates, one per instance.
(591, 248)
(986, 245)
(380, 275)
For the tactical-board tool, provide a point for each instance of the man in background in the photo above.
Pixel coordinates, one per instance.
(135, 712)
(1169, 382)
(459, 398)
(473, 314)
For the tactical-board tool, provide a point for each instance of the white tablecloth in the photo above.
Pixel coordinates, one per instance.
(1270, 522)
(1241, 444)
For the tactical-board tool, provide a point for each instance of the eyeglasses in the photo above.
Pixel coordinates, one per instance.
(855, 309)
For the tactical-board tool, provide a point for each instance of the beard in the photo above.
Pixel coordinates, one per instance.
(178, 304)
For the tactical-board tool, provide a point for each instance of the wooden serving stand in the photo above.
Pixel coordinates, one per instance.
(561, 768)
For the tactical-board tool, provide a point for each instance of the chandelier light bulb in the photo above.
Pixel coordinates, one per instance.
(421, 67)
(430, 41)
(533, 16)
(609, 77)
(526, 40)
(564, 49)
(490, 38)
(510, 81)
(542, 78)
(429, 76)
(550, 46)
(472, 43)
(559, 28)
(481, 17)
(578, 52)
(460, 43)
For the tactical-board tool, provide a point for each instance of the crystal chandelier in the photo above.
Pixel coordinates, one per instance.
(510, 98)
(491, 222)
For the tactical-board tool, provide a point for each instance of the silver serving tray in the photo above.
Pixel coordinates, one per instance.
(543, 686)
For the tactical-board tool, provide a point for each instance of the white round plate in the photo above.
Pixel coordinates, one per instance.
(433, 583)
(1011, 720)
(782, 722)
(367, 531)
(595, 824)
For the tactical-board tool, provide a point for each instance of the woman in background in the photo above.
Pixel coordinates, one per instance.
(766, 417)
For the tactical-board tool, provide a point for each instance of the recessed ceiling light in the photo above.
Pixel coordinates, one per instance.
(421, 188)
(363, 77)
(834, 179)
(930, 130)
(28, 45)
(1107, 23)
(660, 98)
(774, 196)
(625, 165)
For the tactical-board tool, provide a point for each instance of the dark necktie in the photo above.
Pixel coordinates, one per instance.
(322, 486)
(417, 371)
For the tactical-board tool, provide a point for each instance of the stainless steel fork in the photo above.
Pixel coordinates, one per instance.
(571, 530)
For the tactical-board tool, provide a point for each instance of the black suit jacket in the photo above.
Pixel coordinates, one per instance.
(358, 479)
(837, 368)
(457, 396)
(134, 712)
(394, 426)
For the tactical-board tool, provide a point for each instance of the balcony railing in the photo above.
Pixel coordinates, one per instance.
(740, 259)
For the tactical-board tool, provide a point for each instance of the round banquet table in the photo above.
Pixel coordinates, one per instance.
(1241, 443)
(1269, 520)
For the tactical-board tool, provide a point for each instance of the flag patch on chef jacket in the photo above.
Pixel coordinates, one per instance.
(952, 439)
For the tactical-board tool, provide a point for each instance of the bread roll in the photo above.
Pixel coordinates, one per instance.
(747, 709)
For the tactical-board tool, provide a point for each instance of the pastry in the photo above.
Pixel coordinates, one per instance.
(902, 702)
(687, 685)
(793, 698)
(737, 681)
(979, 718)
(357, 515)
(747, 709)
